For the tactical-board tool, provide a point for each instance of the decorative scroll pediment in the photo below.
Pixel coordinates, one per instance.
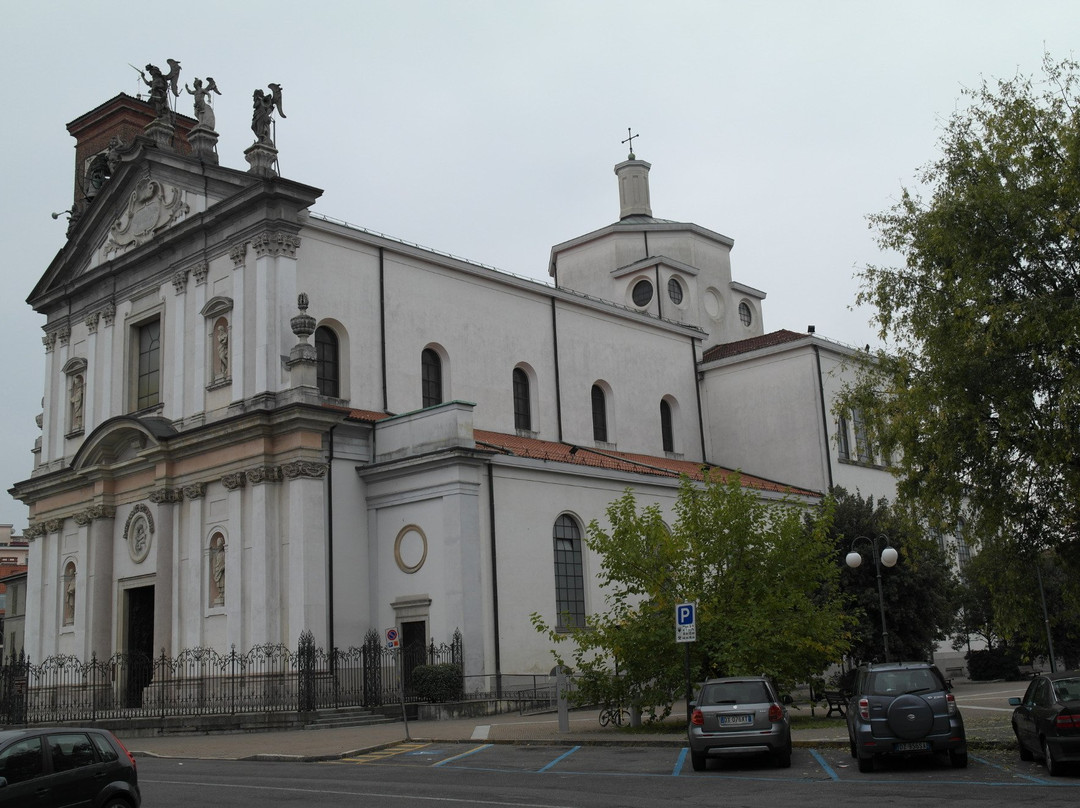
(150, 208)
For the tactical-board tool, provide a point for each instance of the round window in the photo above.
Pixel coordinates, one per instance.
(642, 293)
(674, 291)
(744, 314)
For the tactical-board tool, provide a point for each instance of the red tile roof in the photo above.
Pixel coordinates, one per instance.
(753, 344)
(517, 446)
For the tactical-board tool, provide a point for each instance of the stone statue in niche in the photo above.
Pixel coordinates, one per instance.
(78, 392)
(204, 111)
(217, 570)
(263, 106)
(69, 595)
(221, 335)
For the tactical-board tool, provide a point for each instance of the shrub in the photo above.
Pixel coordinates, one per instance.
(438, 682)
(993, 663)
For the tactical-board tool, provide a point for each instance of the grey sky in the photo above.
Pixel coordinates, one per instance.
(489, 129)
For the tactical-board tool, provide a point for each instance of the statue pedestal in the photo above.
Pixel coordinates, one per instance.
(203, 142)
(161, 131)
(262, 158)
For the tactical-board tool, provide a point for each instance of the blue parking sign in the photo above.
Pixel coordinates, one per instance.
(686, 622)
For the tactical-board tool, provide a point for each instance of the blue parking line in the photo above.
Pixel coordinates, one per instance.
(821, 762)
(462, 755)
(1038, 780)
(559, 759)
(680, 762)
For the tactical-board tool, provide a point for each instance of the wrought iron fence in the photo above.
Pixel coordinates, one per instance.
(203, 681)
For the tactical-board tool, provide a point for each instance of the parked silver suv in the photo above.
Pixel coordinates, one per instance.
(739, 715)
(904, 708)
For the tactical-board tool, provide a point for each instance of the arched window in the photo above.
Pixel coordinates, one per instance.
(569, 574)
(522, 415)
(599, 414)
(667, 430)
(328, 366)
(431, 377)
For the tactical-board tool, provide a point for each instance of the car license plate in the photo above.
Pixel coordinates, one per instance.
(913, 746)
(735, 720)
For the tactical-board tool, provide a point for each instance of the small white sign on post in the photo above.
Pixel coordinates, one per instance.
(686, 622)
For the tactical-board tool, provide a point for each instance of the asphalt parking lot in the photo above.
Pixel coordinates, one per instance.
(994, 767)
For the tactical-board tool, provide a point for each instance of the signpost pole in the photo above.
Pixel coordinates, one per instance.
(686, 633)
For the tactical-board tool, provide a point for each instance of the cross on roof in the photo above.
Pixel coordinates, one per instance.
(630, 140)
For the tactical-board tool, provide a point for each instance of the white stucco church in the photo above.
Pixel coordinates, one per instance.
(259, 420)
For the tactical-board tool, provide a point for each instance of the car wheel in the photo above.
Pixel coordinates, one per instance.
(117, 802)
(783, 759)
(697, 761)
(866, 764)
(958, 759)
(1053, 767)
(851, 746)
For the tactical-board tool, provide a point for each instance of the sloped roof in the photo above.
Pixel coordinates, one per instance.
(752, 344)
(649, 465)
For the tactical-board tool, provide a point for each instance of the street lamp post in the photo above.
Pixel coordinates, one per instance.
(886, 557)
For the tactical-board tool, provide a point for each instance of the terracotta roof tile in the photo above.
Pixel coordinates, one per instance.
(753, 344)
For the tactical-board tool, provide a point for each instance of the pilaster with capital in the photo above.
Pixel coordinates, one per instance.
(264, 474)
(179, 281)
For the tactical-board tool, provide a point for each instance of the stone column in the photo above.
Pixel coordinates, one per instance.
(262, 543)
(191, 587)
(239, 326)
(98, 578)
(236, 594)
(199, 357)
(174, 397)
(108, 400)
(275, 291)
(308, 595)
(49, 416)
(90, 385)
(60, 394)
(164, 605)
(36, 591)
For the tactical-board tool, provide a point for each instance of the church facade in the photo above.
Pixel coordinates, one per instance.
(259, 420)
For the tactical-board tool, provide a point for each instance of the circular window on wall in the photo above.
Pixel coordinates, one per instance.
(745, 315)
(642, 293)
(674, 290)
(410, 548)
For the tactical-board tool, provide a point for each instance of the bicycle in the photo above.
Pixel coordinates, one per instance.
(614, 715)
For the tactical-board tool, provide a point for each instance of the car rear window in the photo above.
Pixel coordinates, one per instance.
(105, 749)
(734, 693)
(896, 683)
(1067, 689)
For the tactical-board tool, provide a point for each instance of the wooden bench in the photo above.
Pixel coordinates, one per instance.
(1028, 671)
(837, 703)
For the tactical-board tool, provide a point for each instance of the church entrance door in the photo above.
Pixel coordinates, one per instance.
(413, 649)
(138, 642)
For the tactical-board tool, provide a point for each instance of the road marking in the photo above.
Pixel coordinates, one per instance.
(680, 762)
(379, 755)
(559, 759)
(821, 762)
(463, 755)
(481, 732)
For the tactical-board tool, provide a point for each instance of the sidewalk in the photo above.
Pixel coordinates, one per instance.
(983, 705)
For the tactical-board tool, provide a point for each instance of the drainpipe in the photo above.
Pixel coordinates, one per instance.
(698, 378)
(382, 327)
(494, 580)
(824, 411)
(558, 389)
(330, 539)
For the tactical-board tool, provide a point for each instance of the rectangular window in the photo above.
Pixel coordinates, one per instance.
(843, 440)
(863, 451)
(148, 367)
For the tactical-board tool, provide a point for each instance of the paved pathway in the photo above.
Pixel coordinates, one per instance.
(984, 706)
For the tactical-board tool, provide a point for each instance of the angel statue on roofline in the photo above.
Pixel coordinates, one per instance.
(204, 112)
(263, 106)
(160, 84)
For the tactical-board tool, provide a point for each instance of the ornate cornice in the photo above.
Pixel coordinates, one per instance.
(276, 243)
(238, 254)
(233, 481)
(199, 272)
(179, 281)
(195, 491)
(303, 468)
(165, 495)
(264, 474)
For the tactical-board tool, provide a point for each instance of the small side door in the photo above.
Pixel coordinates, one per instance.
(1024, 715)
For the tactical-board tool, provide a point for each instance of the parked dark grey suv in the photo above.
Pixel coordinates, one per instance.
(61, 766)
(904, 708)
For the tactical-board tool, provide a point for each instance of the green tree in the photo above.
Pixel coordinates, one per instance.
(976, 397)
(919, 592)
(764, 581)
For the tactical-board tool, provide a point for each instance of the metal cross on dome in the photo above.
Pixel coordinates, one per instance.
(630, 140)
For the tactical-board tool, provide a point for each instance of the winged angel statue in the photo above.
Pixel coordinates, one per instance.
(263, 106)
(160, 84)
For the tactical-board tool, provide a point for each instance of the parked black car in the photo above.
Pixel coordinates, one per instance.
(60, 766)
(1047, 720)
(904, 708)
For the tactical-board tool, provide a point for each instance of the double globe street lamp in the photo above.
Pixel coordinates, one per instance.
(886, 557)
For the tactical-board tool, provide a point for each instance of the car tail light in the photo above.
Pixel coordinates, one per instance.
(696, 718)
(130, 756)
(950, 700)
(776, 713)
(1067, 721)
(864, 709)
